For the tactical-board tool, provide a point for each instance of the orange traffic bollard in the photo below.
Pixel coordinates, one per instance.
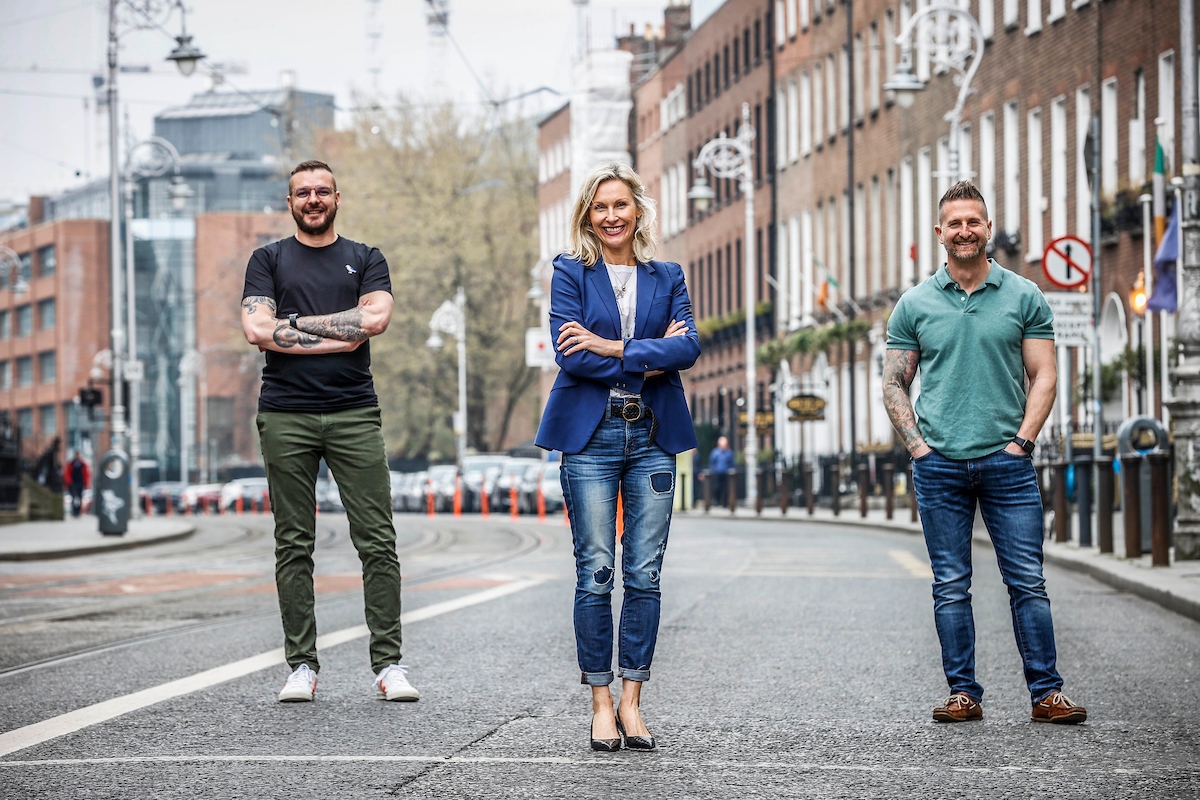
(458, 495)
(429, 504)
(483, 502)
(620, 515)
(267, 502)
(149, 507)
(541, 500)
(512, 502)
(167, 504)
(241, 504)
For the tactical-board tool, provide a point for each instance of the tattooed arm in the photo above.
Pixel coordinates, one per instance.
(899, 369)
(369, 318)
(268, 333)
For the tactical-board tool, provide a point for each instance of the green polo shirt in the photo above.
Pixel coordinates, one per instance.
(972, 396)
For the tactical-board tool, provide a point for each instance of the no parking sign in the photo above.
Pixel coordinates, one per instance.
(1067, 262)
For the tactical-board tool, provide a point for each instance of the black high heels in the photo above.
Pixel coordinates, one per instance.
(634, 742)
(605, 745)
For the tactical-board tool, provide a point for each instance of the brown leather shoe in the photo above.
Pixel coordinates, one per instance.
(958, 708)
(1057, 708)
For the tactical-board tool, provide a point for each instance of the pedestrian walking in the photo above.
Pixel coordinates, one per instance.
(720, 467)
(312, 301)
(77, 476)
(978, 331)
(618, 414)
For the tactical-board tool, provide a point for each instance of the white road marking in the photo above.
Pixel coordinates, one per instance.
(915, 566)
(72, 721)
(659, 763)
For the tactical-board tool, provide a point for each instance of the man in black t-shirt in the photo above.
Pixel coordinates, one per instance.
(311, 302)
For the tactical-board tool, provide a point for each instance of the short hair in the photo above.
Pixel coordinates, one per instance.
(310, 166)
(963, 190)
(585, 244)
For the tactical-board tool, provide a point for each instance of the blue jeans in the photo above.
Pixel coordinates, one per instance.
(619, 456)
(1006, 489)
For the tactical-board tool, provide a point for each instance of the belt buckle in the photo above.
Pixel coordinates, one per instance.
(631, 411)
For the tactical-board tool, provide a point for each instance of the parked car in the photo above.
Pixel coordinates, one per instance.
(333, 498)
(441, 483)
(414, 491)
(510, 478)
(160, 493)
(251, 490)
(527, 488)
(479, 474)
(552, 486)
(397, 484)
(200, 497)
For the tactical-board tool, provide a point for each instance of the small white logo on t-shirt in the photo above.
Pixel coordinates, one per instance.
(350, 270)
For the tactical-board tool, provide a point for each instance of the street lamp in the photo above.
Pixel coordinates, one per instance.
(955, 41)
(151, 158)
(185, 56)
(734, 158)
(451, 319)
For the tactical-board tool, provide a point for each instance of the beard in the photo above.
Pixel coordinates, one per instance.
(967, 251)
(321, 227)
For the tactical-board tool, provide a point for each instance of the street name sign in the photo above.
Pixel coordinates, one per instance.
(1072, 318)
(1067, 262)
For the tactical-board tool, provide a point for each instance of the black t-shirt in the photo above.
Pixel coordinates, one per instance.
(316, 280)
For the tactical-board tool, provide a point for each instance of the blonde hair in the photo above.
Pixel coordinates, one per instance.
(585, 243)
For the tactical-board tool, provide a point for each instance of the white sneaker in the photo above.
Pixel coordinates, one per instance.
(392, 684)
(300, 686)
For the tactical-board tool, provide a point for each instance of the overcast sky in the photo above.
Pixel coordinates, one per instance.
(50, 49)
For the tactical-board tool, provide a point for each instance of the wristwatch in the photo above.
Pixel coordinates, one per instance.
(1025, 444)
(292, 319)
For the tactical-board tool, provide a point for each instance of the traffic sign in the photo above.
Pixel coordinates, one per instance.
(1072, 318)
(539, 348)
(1067, 261)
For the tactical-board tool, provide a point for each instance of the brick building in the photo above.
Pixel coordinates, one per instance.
(1022, 138)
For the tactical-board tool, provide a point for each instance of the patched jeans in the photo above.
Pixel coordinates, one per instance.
(1005, 487)
(619, 456)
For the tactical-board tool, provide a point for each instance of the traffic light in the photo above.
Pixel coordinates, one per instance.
(1137, 296)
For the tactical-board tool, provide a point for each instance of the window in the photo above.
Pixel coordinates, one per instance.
(844, 88)
(737, 58)
(716, 73)
(780, 30)
(1137, 131)
(792, 270)
(48, 366)
(24, 320)
(781, 133)
(1166, 108)
(965, 151)
(805, 125)
(1012, 168)
(791, 18)
(987, 161)
(5, 375)
(831, 103)
(861, 289)
(859, 70)
(725, 65)
(987, 19)
(907, 224)
(47, 261)
(48, 420)
(889, 47)
(793, 121)
(806, 262)
(925, 201)
(783, 287)
(1033, 245)
(1010, 13)
(1058, 167)
(1058, 10)
(818, 105)
(891, 247)
(1108, 137)
(25, 422)
(873, 68)
(1083, 192)
(25, 371)
(804, 14)
(46, 311)
(5, 325)
(1034, 12)
(26, 270)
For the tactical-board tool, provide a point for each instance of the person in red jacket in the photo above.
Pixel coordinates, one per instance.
(76, 477)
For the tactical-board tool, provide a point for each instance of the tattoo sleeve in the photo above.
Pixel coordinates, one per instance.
(251, 304)
(899, 369)
(287, 336)
(346, 326)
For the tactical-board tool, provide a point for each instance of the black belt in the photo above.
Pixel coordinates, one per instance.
(630, 409)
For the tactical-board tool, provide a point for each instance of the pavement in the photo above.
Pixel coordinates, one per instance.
(40, 541)
(1176, 587)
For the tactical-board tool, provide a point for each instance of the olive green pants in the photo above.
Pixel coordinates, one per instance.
(351, 443)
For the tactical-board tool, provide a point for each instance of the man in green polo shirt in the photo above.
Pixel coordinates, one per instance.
(977, 330)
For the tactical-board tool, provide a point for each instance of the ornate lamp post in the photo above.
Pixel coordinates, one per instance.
(955, 41)
(451, 319)
(734, 158)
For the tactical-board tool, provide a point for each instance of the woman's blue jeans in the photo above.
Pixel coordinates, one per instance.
(1005, 487)
(619, 456)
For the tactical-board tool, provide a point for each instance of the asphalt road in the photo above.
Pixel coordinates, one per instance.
(794, 660)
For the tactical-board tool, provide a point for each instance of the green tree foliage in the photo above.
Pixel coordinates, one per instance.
(450, 200)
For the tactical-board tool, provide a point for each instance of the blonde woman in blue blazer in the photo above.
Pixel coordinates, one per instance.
(618, 413)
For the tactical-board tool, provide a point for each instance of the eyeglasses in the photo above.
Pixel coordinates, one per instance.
(323, 192)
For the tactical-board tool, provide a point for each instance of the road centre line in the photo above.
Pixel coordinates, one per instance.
(659, 763)
(72, 721)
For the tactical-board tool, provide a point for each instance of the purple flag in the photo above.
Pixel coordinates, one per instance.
(1165, 294)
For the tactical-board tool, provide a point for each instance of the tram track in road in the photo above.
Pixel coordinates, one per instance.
(431, 541)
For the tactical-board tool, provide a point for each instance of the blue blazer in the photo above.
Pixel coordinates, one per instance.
(580, 395)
